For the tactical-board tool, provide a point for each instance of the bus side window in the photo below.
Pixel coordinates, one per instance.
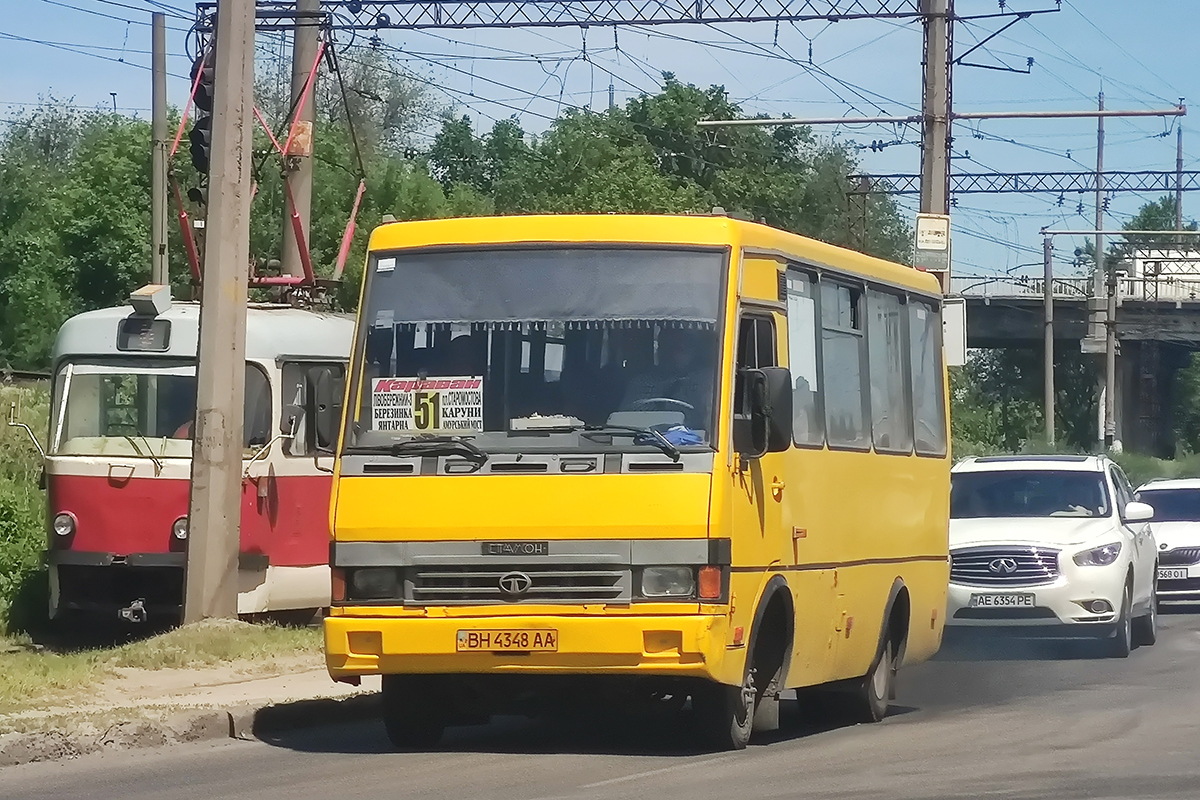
(891, 406)
(843, 368)
(929, 409)
(808, 423)
(299, 380)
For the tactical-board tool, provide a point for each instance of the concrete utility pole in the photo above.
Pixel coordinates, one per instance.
(935, 108)
(215, 512)
(1048, 335)
(158, 133)
(306, 40)
(1179, 176)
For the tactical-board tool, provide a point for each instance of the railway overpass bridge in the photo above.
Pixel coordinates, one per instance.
(1158, 327)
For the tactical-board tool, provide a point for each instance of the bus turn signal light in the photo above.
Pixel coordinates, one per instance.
(339, 585)
(710, 583)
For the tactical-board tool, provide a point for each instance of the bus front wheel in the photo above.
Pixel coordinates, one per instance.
(726, 713)
(413, 712)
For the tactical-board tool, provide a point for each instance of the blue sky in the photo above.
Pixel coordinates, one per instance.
(1143, 54)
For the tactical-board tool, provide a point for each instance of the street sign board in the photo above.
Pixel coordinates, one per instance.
(931, 248)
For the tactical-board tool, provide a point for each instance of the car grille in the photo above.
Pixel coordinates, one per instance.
(1005, 613)
(1180, 557)
(476, 584)
(1004, 566)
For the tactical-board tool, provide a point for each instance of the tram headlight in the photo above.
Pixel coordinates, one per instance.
(179, 529)
(64, 524)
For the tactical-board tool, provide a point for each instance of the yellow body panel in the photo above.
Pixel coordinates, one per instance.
(841, 528)
(523, 507)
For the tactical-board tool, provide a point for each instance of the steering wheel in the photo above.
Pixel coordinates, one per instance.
(640, 404)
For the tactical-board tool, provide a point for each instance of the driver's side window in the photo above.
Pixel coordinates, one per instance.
(756, 349)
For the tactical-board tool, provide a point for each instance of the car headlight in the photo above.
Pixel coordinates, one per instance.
(64, 524)
(1099, 556)
(179, 529)
(374, 583)
(668, 582)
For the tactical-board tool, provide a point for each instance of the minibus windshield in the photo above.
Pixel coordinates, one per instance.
(583, 347)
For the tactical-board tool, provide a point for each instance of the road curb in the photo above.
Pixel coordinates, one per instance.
(243, 722)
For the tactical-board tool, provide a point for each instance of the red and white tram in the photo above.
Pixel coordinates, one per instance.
(118, 461)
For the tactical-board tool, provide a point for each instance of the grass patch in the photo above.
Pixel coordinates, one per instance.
(22, 510)
(40, 677)
(217, 642)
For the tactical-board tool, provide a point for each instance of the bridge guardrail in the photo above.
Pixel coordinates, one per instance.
(1163, 288)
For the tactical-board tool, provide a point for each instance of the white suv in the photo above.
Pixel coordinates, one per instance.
(1051, 546)
(1176, 527)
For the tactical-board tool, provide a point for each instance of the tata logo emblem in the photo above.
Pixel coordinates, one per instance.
(1002, 566)
(514, 584)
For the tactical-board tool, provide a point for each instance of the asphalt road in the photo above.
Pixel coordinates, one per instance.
(1018, 722)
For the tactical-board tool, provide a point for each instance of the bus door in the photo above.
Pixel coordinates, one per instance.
(812, 547)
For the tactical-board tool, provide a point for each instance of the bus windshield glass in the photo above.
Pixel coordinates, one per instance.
(140, 408)
(551, 348)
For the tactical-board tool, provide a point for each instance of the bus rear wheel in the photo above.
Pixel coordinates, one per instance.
(725, 714)
(413, 715)
(870, 700)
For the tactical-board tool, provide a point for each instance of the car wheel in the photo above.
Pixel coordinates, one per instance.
(412, 713)
(725, 714)
(1120, 645)
(1145, 628)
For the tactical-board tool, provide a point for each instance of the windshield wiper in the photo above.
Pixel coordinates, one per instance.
(438, 446)
(640, 436)
(157, 464)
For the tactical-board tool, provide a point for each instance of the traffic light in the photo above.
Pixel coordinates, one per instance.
(200, 136)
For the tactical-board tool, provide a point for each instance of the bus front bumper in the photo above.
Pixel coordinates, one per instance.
(683, 645)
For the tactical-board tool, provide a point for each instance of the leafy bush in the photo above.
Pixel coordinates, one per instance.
(22, 508)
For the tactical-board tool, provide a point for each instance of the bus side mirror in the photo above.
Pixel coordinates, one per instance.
(778, 408)
(765, 426)
(324, 406)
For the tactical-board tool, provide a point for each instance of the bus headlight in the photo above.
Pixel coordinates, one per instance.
(374, 583)
(64, 524)
(668, 582)
(179, 529)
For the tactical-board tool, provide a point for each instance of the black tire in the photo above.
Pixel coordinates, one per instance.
(869, 703)
(412, 712)
(1145, 627)
(1121, 642)
(725, 714)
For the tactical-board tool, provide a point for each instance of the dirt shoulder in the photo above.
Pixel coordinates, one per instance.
(204, 681)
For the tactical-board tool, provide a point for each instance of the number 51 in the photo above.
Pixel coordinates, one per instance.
(427, 414)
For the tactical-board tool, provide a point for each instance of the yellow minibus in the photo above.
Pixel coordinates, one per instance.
(684, 462)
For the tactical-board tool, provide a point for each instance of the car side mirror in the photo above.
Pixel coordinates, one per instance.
(767, 427)
(1138, 512)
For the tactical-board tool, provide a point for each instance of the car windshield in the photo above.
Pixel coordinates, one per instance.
(1173, 505)
(144, 408)
(1028, 493)
(523, 348)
